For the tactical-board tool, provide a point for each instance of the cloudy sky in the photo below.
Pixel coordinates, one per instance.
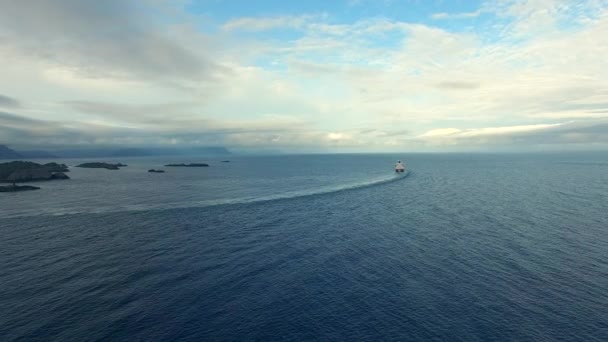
(318, 75)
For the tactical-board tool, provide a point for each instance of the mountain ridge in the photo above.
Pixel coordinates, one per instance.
(7, 153)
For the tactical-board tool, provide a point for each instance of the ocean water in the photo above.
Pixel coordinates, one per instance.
(465, 247)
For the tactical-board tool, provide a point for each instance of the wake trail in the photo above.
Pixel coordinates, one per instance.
(221, 202)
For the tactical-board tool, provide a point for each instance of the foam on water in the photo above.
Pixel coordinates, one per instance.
(279, 195)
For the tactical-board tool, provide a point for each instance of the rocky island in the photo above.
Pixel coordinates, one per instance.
(98, 165)
(23, 171)
(15, 188)
(156, 171)
(188, 165)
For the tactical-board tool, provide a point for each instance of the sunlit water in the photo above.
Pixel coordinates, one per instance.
(333, 247)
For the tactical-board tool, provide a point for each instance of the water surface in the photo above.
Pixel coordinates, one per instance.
(333, 247)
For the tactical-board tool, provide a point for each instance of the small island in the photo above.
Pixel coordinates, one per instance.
(225, 161)
(98, 165)
(156, 171)
(16, 188)
(188, 165)
(22, 171)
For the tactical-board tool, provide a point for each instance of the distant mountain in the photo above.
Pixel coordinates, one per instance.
(107, 152)
(208, 151)
(131, 152)
(7, 153)
(142, 152)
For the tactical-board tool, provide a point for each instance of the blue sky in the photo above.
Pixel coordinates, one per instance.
(221, 12)
(347, 11)
(352, 75)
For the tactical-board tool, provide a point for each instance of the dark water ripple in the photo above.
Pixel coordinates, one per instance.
(467, 248)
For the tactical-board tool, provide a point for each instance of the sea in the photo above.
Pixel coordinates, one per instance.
(334, 247)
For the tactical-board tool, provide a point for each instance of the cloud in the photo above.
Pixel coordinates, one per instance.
(440, 132)
(463, 15)
(317, 24)
(135, 113)
(490, 131)
(589, 132)
(104, 39)
(12, 119)
(458, 85)
(267, 23)
(8, 102)
(291, 133)
(21, 130)
(133, 72)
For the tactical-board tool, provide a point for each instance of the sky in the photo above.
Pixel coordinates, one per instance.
(306, 76)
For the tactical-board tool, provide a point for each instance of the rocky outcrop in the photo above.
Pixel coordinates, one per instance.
(29, 175)
(16, 188)
(54, 167)
(21, 171)
(97, 165)
(188, 165)
(59, 175)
